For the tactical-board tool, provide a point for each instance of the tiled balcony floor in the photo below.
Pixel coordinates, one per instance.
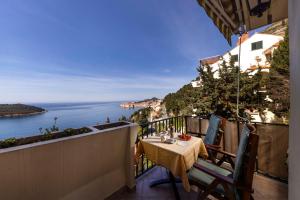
(264, 189)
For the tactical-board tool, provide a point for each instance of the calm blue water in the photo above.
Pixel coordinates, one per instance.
(70, 115)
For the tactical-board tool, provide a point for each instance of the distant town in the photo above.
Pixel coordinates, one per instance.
(153, 103)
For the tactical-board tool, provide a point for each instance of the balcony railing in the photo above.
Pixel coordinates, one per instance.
(272, 151)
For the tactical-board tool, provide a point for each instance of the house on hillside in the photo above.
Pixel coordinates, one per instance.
(196, 83)
(207, 61)
(256, 51)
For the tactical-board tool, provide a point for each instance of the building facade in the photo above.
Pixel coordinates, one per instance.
(256, 51)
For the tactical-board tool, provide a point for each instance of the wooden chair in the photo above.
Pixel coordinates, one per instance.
(222, 183)
(213, 136)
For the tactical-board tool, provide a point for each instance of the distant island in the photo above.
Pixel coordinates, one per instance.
(153, 102)
(18, 110)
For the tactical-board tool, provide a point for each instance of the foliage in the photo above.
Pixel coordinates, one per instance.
(280, 61)
(278, 84)
(71, 131)
(48, 132)
(9, 142)
(123, 118)
(218, 92)
(145, 100)
(183, 101)
(209, 95)
(141, 116)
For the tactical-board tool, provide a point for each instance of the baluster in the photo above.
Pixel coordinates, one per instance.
(200, 127)
(159, 126)
(182, 124)
(186, 124)
(176, 124)
(143, 163)
(147, 130)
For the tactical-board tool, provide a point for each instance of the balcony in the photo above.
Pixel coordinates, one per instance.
(270, 179)
(100, 164)
(264, 188)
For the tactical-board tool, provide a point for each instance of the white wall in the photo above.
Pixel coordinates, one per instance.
(196, 84)
(248, 57)
(88, 166)
(294, 140)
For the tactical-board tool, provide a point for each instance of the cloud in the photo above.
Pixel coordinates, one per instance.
(166, 70)
(23, 80)
(49, 87)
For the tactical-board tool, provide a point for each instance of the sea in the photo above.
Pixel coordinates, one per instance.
(69, 115)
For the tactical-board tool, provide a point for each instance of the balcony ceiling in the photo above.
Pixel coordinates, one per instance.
(230, 15)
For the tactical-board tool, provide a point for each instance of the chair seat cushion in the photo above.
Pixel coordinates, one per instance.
(204, 179)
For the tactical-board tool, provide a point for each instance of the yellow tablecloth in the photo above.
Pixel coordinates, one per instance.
(178, 157)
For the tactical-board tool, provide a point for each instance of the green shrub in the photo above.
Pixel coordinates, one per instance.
(9, 142)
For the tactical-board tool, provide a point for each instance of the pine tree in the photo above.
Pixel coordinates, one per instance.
(218, 92)
(172, 104)
(256, 90)
(278, 85)
(280, 61)
(209, 93)
(141, 116)
(227, 85)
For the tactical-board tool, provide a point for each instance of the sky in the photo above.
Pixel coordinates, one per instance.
(101, 50)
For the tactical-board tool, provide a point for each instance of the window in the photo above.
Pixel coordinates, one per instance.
(235, 58)
(257, 45)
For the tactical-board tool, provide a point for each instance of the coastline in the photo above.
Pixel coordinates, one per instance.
(154, 102)
(69, 115)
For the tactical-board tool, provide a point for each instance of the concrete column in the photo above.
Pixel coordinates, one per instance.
(294, 132)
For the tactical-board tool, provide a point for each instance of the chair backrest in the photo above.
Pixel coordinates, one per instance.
(245, 160)
(212, 130)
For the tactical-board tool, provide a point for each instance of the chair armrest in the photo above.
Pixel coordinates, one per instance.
(221, 152)
(214, 174)
(211, 146)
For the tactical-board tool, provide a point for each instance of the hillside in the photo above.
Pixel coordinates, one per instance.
(14, 110)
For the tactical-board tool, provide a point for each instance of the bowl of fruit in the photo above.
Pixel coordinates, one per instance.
(184, 137)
